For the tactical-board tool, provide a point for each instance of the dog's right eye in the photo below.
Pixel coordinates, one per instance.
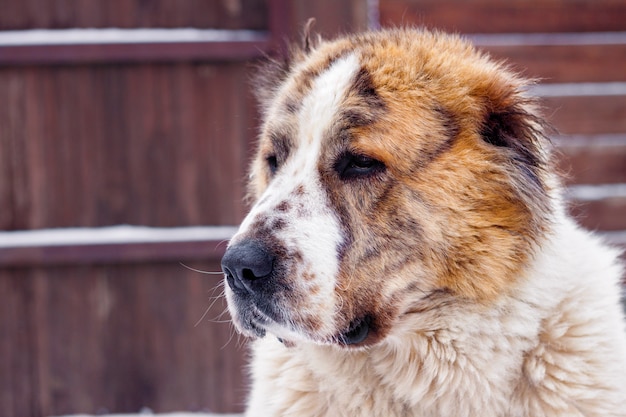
(272, 163)
(352, 165)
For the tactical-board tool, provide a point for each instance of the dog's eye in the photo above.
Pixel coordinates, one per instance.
(272, 163)
(352, 165)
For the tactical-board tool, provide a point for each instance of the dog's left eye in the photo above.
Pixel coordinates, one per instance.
(352, 165)
(272, 163)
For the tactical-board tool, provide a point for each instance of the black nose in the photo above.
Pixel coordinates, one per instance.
(245, 264)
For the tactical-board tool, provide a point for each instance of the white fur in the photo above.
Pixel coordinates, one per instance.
(477, 361)
(316, 233)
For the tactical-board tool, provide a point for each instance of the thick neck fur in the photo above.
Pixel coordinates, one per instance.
(462, 359)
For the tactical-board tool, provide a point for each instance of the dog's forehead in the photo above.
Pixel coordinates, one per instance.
(318, 111)
(321, 106)
(310, 101)
(297, 140)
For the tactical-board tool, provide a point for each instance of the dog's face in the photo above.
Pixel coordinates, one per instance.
(396, 173)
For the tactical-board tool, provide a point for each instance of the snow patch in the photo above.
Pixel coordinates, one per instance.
(579, 89)
(548, 39)
(599, 192)
(144, 414)
(118, 36)
(113, 235)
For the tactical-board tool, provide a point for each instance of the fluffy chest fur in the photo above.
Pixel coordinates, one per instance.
(549, 350)
(407, 252)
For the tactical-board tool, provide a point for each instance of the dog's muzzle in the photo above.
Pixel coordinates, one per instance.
(255, 275)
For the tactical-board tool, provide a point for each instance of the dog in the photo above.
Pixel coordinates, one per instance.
(407, 251)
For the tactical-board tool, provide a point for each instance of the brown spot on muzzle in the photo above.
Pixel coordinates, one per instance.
(283, 206)
(299, 191)
(264, 229)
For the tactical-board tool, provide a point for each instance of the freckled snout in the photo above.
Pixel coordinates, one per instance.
(247, 265)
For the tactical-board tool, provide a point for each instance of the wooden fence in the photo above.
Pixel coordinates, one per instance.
(103, 124)
(104, 127)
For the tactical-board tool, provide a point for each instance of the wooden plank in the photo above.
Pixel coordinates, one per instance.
(565, 63)
(592, 159)
(332, 17)
(279, 24)
(488, 16)
(12, 169)
(19, 384)
(166, 52)
(95, 140)
(584, 108)
(85, 339)
(112, 245)
(240, 14)
(110, 253)
(599, 207)
(587, 115)
(602, 214)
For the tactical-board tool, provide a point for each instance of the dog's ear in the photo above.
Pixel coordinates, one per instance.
(267, 76)
(510, 122)
(271, 71)
(309, 41)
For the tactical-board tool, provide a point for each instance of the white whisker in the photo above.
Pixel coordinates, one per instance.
(213, 299)
(202, 272)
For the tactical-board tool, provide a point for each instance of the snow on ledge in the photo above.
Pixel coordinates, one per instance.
(548, 39)
(123, 36)
(143, 414)
(113, 235)
(587, 89)
(584, 192)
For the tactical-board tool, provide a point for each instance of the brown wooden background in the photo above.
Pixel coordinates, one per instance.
(160, 134)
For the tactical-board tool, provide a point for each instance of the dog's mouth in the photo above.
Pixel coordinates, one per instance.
(357, 332)
(256, 329)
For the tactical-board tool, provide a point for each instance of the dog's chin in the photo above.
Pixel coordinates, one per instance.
(250, 323)
(358, 334)
(256, 330)
(253, 330)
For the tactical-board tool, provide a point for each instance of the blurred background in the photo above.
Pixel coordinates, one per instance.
(103, 124)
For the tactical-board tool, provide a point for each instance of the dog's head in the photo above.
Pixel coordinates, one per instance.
(396, 172)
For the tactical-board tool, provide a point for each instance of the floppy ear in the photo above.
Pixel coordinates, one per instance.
(510, 122)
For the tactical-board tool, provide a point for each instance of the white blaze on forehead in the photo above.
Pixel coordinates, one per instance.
(318, 111)
(320, 107)
(313, 230)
